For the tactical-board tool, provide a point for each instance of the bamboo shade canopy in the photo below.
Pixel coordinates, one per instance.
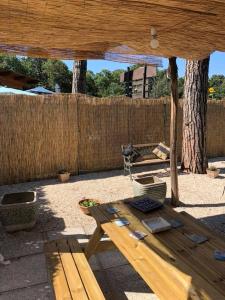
(81, 29)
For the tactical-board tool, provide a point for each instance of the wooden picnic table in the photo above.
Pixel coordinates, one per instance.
(173, 266)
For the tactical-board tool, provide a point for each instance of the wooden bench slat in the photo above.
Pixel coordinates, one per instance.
(143, 145)
(71, 274)
(57, 274)
(91, 285)
(153, 161)
(75, 283)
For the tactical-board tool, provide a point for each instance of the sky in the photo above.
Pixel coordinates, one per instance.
(217, 64)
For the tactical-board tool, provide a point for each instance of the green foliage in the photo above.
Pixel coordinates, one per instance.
(47, 72)
(212, 168)
(91, 86)
(217, 82)
(57, 72)
(88, 203)
(161, 85)
(134, 67)
(104, 83)
(34, 68)
(11, 63)
(181, 87)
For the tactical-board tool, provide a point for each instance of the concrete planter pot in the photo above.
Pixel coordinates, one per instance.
(64, 177)
(18, 211)
(213, 173)
(85, 209)
(151, 186)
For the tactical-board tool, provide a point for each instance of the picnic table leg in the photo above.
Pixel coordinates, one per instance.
(94, 241)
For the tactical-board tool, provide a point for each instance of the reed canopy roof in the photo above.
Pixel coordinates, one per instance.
(82, 29)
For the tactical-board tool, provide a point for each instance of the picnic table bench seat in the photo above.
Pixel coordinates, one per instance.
(147, 157)
(70, 272)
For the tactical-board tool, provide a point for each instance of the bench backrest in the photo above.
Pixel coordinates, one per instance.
(145, 150)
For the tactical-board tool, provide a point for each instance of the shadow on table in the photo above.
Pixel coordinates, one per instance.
(202, 205)
(216, 223)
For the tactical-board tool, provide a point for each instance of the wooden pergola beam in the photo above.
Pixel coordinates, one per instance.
(173, 132)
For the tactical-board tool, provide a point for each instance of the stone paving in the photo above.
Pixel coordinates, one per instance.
(26, 277)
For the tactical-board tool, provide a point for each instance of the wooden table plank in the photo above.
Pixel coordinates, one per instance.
(75, 284)
(156, 256)
(92, 288)
(216, 239)
(145, 265)
(57, 274)
(200, 257)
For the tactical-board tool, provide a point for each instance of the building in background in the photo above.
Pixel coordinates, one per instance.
(138, 83)
(15, 80)
(11, 91)
(40, 90)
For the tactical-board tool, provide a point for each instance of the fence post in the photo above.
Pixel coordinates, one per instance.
(78, 134)
(173, 132)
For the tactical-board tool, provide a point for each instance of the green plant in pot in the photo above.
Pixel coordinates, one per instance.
(63, 175)
(85, 204)
(213, 172)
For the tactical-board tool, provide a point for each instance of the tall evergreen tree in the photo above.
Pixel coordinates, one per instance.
(79, 77)
(194, 156)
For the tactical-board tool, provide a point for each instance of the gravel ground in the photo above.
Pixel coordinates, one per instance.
(26, 275)
(201, 195)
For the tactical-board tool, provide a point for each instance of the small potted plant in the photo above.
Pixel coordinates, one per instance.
(213, 172)
(63, 175)
(84, 205)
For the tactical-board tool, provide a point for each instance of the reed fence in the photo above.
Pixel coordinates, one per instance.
(41, 134)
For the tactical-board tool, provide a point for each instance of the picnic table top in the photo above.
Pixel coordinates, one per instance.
(169, 262)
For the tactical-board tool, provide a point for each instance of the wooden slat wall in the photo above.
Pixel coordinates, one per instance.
(41, 134)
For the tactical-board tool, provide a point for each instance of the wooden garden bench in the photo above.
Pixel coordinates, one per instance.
(70, 272)
(146, 158)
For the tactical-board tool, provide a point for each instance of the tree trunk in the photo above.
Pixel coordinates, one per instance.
(194, 158)
(79, 76)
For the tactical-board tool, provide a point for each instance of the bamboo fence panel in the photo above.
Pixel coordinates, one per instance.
(103, 129)
(36, 136)
(41, 134)
(216, 128)
(146, 121)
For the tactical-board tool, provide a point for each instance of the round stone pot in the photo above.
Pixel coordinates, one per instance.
(213, 173)
(85, 209)
(64, 177)
(18, 211)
